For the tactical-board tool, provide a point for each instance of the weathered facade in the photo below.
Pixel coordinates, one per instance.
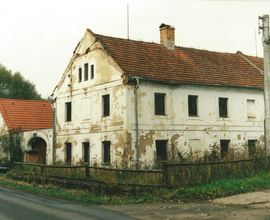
(125, 103)
(31, 121)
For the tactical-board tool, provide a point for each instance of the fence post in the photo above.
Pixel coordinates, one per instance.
(165, 177)
(86, 170)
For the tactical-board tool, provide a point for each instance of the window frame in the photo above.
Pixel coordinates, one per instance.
(92, 74)
(249, 112)
(224, 152)
(160, 104)
(223, 112)
(85, 145)
(68, 153)
(106, 159)
(191, 113)
(80, 74)
(159, 152)
(106, 108)
(252, 152)
(86, 71)
(68, 111)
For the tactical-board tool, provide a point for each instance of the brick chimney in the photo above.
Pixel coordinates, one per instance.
(167, 36)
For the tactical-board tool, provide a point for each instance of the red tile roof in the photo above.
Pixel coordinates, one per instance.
(26, 115)
(183, 65)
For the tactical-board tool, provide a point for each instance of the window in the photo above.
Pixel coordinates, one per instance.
(252, 148)
(251, 111)
(106, 152)
(223, 107)
(85, 71)
(80, 75)
(224, 148)
(68, 111)
(86, 152)
(92, 71)
(68, 153)
(159, 104)
(161, 150)
(193, 105)
(106, 105)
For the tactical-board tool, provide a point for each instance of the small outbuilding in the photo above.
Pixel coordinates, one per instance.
(32, 122)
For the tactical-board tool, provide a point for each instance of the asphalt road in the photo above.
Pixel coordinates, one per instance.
(23, 206)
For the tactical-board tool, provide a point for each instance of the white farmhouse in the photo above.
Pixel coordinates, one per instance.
(123, 102)
(32, 121)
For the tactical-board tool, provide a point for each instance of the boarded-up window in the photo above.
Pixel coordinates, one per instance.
(251, 111)
(159, 104)
(80, 75)
(224, 148)
(86, 152)
(85, 71)
(106, 152)
(223, 107)
(106, 105)
(195, 145)
(252, 148)
(161, 150)
(68, 153)
(193, 105)
(68, 111)
(92, 71)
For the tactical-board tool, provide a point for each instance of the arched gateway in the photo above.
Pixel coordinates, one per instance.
(37, 152)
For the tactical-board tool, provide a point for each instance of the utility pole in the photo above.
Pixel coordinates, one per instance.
(264, 26)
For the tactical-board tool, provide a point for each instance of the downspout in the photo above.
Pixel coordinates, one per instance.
(53, 103)
(136, 87)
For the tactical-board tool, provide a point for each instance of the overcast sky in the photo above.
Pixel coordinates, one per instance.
(37, 37)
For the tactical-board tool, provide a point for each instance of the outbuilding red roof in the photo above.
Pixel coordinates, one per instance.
(26, 115)
(184, 65)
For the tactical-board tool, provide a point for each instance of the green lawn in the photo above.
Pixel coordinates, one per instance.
(217, 189)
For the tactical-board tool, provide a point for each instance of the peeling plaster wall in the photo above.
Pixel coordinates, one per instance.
(180, 129)
(88, 123)
(46, 135)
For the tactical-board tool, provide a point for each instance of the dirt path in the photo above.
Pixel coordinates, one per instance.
(251, 206)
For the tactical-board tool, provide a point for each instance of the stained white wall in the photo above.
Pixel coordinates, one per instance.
(208, 128)
(181, 131)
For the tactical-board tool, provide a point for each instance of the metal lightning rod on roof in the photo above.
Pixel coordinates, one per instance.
(127, 21)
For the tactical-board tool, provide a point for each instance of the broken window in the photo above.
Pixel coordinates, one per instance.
(80, 75)
(223, 107)
(106, 105)
(193, 105)
(68, 111)
(224, 148)
(85, 71)
(161, 150)
(252, 148)
(159, 103)
(251, 111)
(68, 153)
(106, 152)
(92, 71)
(86, 152)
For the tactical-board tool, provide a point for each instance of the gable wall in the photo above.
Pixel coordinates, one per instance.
(88, 123)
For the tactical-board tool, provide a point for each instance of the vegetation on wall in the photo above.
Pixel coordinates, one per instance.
(11, 145)
(15, 86)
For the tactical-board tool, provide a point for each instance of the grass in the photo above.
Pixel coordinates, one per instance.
(213, 190)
